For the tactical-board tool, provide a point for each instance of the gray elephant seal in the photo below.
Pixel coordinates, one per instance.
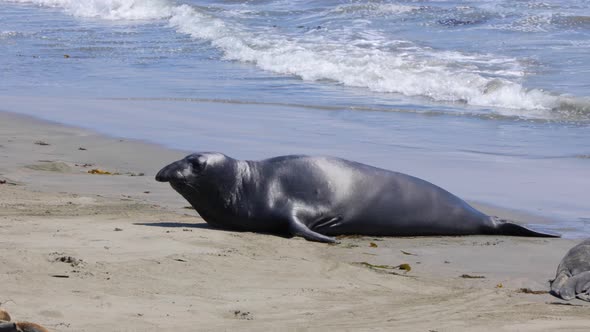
(573, 274)
(318, 197)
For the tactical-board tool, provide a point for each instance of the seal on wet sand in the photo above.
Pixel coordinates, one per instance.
(573, 274)
(319, 197)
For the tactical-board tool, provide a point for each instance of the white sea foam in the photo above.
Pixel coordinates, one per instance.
(9, 34)
(370, 61)
(110, 9)
(375, 8)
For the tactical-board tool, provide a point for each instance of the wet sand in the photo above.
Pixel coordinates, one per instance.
(92, 252)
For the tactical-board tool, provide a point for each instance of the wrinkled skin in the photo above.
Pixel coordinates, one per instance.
(320, 197)
(573, 274)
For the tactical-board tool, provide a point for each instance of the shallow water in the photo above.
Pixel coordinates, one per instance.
(488, 99)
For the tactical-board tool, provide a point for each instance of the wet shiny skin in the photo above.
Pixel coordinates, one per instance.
(318, 197)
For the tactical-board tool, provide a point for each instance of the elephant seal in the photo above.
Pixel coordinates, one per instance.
(21, 327)
(573, 274)
(6, 325)
(319, 197)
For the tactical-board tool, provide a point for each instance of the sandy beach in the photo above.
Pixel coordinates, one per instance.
(121, 252)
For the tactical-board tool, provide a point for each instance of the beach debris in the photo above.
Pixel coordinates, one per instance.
(243, 315)
(99, 171)
(373, 266)
(180, 260)
(500, 285)
(488, 243)
(102, 172)
(146, 192)
(105, 172)
(84, 165)
(406, 267)
(66, 56)
(41, 143)
(60, 276)
(117, 229)
(373, 245)
(530, 291)
(73, 261)
(82, 149)
(188, 207)
(408, 253)
(469, 276)
(135, 174)
(2, 181)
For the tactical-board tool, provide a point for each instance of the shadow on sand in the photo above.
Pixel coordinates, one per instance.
(203, 225)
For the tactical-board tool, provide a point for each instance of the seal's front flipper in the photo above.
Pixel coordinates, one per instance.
(296, 227)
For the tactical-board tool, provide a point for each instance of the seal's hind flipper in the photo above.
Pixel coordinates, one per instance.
(505, 227)
(296, 227)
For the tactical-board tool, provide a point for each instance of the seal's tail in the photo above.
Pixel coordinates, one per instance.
(504, 227)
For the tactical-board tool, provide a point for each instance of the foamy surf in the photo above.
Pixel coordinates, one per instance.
(110, 9)
(351, 57)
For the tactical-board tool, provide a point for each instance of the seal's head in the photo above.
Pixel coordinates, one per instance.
(195, 175)
(191, 168)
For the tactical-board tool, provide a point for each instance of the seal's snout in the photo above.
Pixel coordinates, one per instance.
(170, 172)
(162, 175)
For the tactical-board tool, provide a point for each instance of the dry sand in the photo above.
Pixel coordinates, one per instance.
(89, 252)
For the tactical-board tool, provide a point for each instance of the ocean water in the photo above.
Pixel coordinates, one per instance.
(489, 99)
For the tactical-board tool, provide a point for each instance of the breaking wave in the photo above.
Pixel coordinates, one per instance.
(361, 59)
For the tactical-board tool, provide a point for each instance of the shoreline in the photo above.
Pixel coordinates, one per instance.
(140, 260)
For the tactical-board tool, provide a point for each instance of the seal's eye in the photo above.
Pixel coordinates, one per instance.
(198, 163)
